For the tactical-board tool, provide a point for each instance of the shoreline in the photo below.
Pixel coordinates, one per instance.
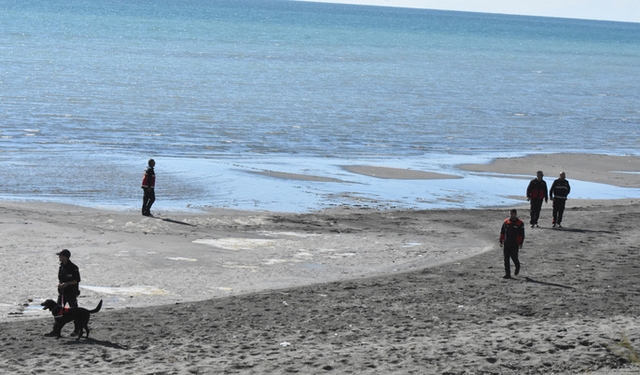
(307, 185)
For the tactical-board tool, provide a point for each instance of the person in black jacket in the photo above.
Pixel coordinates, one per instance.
(148, 186)
(511, 239)
(68, 280)
(536, 193)
(558, 193)
(68, 285)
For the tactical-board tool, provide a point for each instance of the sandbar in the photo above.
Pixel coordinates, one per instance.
(396, 173)
(623, 171)
(298, 176)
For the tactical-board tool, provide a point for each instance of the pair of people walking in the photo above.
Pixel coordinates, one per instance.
(537, 193)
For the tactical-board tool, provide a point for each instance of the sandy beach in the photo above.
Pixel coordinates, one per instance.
(350, 290)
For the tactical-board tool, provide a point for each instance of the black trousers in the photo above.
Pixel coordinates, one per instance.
(147, 200)
(536, 206)
(68, 298)
(558, 210)
(511, 253)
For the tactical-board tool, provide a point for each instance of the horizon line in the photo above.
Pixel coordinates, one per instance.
(376, 3)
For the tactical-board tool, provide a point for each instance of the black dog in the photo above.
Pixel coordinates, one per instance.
(78, 315)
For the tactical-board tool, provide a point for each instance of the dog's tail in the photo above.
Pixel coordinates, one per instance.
(97, 308)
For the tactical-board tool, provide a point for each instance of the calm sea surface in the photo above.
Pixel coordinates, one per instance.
(215, 90)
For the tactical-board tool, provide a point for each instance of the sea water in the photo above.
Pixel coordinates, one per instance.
(216, 91)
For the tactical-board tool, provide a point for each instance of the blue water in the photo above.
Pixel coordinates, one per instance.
(214, 90)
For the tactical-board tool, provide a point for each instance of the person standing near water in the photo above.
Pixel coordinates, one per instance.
(558, 193)
(536, 192)
(511, 240)
(148, 185)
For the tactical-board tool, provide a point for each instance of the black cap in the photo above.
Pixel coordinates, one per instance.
(65, 253)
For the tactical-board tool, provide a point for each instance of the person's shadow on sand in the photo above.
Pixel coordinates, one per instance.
(578, 230)
(530, 280)
(173, 221)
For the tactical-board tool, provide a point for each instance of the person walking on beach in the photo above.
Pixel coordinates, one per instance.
(536, 193)
(558, 193)
(68, 285)
(511, 240)
(148, 185)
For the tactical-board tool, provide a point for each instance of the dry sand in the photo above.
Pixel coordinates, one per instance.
(344, 291)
